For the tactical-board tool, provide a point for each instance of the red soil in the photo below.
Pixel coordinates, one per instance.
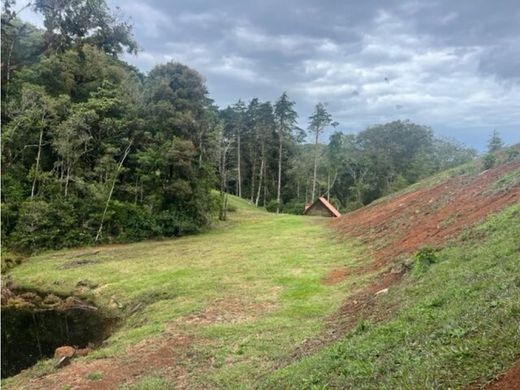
(428, 216)
(509, 381)
(335, 276)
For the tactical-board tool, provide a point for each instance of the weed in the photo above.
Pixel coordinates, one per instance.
(94, 376)
(423, 259)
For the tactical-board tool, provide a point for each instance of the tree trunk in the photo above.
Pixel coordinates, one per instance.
(253, 174)
(67, 178)
(315, 167)
(265, 186)
(120, 165)
(279, 176)
(260, 179)
(38, 156)
(223, 197)
(239, 163)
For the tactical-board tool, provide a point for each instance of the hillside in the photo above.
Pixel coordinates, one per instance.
(281, 301)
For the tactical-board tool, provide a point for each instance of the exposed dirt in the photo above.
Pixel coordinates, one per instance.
(167, 355)
(510, 380)
(164, 355)
(428, 216)
(230, 310)
(335, 276)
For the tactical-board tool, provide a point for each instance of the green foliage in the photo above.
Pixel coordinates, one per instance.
(293, 208)
(495, 142)
(94, 376)
(47, 225)
(423, 259)
(273, 205)
(488, 161)
(70, 118)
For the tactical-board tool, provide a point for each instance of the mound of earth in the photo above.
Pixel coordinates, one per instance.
(403, 223)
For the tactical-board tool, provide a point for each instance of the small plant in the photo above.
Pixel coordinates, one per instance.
(423, 259)
(488, 161)
(94, 376)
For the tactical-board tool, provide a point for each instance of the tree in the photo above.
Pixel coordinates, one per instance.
(318, 121)
(74, 23)
(240, 109)
(495, 142)
(285, 118)
(265, 130)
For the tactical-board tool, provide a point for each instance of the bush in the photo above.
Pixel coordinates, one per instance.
(488, 161)
(272, 206)
(423, 259)
(43, 225)
(128, 222)
(294, 208)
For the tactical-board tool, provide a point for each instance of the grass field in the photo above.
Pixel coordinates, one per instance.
(232, 304)
(248, 290)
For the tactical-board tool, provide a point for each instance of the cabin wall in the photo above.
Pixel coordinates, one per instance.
(319, 209)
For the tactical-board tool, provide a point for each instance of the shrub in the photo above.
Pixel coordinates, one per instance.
(272, 206)
(47, 225)
(294, 208)
(488, 161)
(423, 259)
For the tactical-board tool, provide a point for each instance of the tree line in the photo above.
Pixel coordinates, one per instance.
(93, 150)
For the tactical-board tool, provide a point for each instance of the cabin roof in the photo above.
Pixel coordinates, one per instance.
(327, 204)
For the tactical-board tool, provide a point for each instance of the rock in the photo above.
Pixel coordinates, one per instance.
(64, 355)
(383, 291)
(64, 351)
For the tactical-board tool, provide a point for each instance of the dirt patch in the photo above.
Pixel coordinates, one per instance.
(167, 355)
(164, 355)
(335, 276)
(428, 216)
(510, 380)
(78, 263)
(227, 310)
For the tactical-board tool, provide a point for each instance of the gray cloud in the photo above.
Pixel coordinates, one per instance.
(454, 65)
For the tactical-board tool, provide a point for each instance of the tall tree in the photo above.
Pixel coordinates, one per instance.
(265, 127)
(240, 110)
(318, 121)
(74, 23)
(495, 142)
(285, 118)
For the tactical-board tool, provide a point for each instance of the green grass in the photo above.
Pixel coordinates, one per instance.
(269, 266)
(458, 322)
(455, 320)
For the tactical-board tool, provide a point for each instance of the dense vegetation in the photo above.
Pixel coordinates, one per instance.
(93, 150)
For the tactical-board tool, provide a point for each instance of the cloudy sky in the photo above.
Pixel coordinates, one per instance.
(451, 64)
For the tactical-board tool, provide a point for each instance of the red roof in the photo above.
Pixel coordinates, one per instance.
(326, 203)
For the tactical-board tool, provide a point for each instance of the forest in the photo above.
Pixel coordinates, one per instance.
(94, 150)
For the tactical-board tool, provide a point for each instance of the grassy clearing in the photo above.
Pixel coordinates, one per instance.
(458, 322)
(257, 277)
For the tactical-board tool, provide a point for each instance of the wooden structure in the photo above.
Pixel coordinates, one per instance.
(321, 207)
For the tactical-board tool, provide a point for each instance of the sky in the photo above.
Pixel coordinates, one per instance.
(453, 65)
